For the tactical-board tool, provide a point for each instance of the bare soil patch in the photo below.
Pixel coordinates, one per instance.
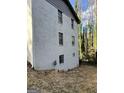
(79, 80)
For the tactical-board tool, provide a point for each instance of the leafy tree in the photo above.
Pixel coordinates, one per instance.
(91, 55)
(78, 11)
(88, 39)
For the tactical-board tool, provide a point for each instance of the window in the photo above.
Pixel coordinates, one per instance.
(73, 40)
(73, 54)
(61, 59)
(60, 17)
(60, 38)
(72, 23)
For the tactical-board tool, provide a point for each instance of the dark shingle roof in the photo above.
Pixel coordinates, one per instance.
(72, 10)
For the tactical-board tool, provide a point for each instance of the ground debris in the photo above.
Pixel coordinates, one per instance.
(79, 80)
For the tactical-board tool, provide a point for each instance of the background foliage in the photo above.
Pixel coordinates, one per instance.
(87, 38)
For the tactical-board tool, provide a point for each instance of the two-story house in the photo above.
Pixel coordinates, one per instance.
(53, 42)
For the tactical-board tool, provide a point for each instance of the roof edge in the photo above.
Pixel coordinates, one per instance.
(72, 10)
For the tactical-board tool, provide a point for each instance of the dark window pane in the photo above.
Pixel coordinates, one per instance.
(60, 38)
(73, 40)
(72, 23)
(73, 54)
(60, 17)
(61, 59)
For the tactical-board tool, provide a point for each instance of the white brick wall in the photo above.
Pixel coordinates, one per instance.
(46, 48)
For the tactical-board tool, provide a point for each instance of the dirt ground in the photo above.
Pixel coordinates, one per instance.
(79, 80)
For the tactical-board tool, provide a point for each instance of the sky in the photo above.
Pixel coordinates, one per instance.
(84, 4)
(88, 12)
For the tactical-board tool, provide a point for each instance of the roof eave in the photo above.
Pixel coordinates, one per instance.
(73, 11)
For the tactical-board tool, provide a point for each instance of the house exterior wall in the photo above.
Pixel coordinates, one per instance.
(29, 32)
(60, 4)
(46, 48)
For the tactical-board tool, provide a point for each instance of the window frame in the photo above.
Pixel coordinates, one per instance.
(60, 38)
(72, 23)
(73, 40)
(60, 17)
(73, 54)
(61, 59)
